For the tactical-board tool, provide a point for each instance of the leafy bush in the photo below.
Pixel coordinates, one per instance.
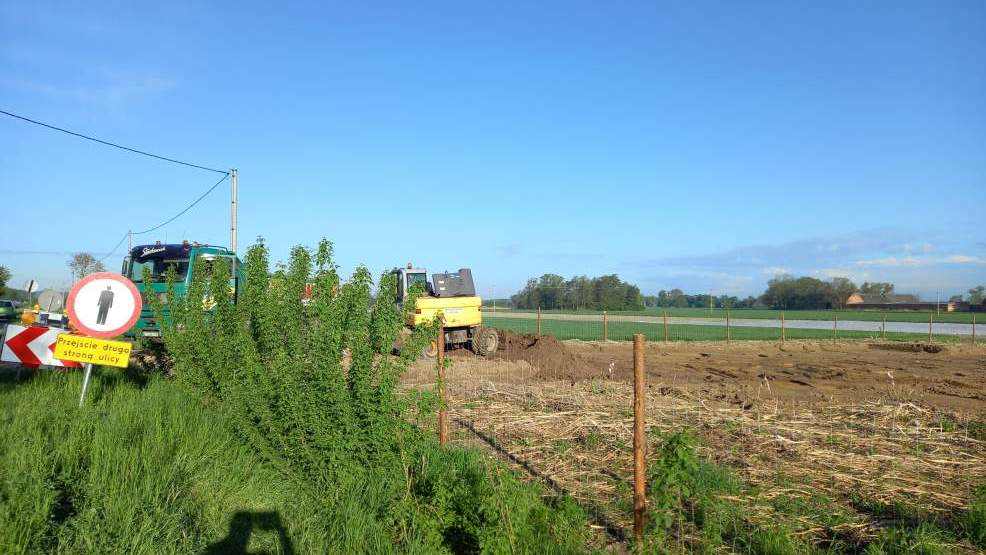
(313, 387)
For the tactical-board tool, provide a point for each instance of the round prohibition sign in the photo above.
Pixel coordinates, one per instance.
(104, 304)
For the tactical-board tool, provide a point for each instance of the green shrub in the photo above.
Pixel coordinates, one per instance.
(313, 387)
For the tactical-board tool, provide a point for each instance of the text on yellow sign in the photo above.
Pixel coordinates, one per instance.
(94, 351)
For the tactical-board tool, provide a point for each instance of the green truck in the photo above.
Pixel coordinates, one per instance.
(157, 258)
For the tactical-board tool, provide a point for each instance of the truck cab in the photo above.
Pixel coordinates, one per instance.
(183, 257)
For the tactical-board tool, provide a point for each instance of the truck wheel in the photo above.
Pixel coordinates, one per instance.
(485, 341)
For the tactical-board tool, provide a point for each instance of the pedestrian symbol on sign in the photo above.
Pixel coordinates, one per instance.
(105, 302)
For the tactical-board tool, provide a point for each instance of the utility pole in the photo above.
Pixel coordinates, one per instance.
(232, 207)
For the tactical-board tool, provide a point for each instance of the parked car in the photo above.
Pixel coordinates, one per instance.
(8, 311)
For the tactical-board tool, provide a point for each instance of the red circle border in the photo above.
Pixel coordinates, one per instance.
(70, 304)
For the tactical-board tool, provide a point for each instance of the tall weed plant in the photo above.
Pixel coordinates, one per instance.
(313, 386)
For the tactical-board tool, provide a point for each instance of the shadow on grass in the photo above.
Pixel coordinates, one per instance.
(12, 375)
(242, 526)
(596, 513)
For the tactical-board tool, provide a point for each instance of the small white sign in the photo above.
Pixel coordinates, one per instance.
(31, 285)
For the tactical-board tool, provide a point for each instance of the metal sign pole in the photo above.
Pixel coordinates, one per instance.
(85, 383)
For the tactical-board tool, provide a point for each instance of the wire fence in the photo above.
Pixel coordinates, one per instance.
(725, 327)
(562, 413)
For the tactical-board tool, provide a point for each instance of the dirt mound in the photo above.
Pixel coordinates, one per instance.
(548, 355)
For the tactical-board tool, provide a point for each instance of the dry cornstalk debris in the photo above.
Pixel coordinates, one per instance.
(580, 436)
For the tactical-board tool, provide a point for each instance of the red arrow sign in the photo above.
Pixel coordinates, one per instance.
(33, 346)
(19, 345)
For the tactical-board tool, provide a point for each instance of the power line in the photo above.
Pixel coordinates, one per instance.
(135, 151)
(173, 218)
(113, 250)
(186, 209)
(107, 143)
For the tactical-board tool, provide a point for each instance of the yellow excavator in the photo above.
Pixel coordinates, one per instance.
(452, 297)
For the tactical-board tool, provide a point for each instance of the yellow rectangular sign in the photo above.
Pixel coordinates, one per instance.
(93, 351)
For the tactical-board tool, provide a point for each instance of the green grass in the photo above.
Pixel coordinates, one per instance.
(623, 331)
(768, 314)
(145, 468)
(134, 471)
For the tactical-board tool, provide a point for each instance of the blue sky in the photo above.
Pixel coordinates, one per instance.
(705, 146)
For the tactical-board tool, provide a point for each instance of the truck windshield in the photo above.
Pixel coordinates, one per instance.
(158, 268)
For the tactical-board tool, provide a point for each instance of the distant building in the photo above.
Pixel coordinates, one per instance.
(893, 301)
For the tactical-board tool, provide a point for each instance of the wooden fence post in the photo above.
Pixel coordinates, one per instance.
(639, 440)
(727, 326)
(539, 321)
(973, 329)
(931, 318)
(666, 326)
(835, 327)
(782, 326)
(883, 328)
(605, 326)
(443, 401)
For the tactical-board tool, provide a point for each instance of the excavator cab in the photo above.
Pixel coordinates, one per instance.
(450, 296)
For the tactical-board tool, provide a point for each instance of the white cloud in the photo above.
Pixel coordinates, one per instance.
(963, 259)
(857, 275)
(893, 261)
(110, 92)
(775, 270)
(915, 261)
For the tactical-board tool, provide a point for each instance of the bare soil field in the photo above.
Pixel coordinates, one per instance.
(867, 434)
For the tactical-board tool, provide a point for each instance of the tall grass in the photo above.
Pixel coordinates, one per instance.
(135, 471)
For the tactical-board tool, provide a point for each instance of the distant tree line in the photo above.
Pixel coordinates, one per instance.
(784, 292)
(4, 278)
(677, 298)
(806, 293)
(552, 291)
(976, 295)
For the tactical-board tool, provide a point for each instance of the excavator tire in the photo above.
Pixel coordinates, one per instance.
(485, 341)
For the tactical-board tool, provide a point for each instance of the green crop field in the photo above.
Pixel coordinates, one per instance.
(763, 313)
(587, 330)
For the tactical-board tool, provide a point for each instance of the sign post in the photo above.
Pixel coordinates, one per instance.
(101, 306)
(85, 384)
(31, 286)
